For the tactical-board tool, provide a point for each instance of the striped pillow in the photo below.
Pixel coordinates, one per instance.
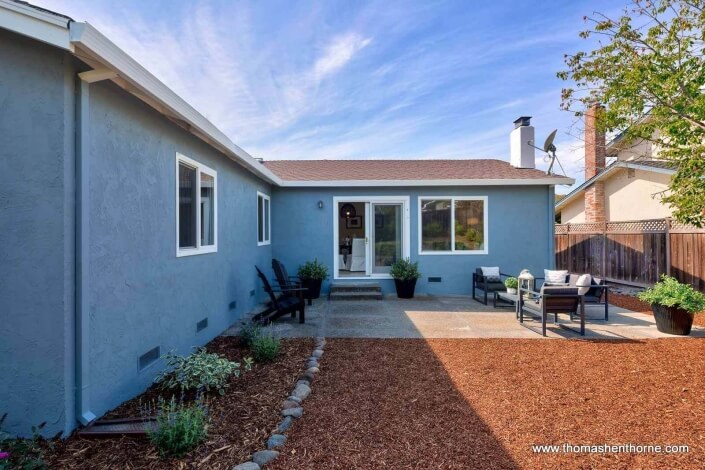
(555, 278)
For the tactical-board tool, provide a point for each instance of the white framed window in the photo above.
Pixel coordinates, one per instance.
(453, 225)
(196, 208)
(264, 219)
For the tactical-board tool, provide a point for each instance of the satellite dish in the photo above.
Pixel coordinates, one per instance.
(548, 146)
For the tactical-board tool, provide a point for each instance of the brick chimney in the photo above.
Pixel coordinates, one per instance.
(594, 164)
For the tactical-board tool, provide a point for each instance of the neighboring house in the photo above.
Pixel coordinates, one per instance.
(131, 225)
(630, 188)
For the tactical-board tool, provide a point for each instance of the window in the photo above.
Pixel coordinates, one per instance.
(452, 225)
(263, 219)
(196, 215)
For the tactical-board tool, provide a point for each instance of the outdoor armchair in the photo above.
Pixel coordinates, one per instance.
(487, 286)
(553, 300)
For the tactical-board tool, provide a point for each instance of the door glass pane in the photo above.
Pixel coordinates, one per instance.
(435, 225)
(387, 229)
(207, 210)
(187, 206)
(469, 225)
(260, 222)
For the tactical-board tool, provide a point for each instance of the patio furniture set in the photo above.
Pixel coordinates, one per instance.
(561, 292)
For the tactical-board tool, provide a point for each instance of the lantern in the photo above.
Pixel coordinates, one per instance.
(526, 281)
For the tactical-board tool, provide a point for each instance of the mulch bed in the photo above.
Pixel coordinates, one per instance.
(482, 403)
(635, 305)
(241, 420)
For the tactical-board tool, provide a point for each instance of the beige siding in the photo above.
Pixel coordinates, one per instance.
(630, 198)
(574, 211)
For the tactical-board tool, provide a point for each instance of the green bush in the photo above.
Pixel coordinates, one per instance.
(511, 283)
(180, 427)
(249, 332)
(405, 270)
(199, 371)
(313, 270)
(23, 453)
(265, 347)
(460, 230)
(671, 293)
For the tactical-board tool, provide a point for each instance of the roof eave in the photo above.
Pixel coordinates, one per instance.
(31, 22)
(91, 45)
(549, 181)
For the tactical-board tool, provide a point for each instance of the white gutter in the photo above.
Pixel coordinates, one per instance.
(36, 24)
(436, 182)
(91, 45)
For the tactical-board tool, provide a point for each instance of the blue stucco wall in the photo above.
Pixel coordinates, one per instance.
(36, 235)
(141, 294)
(520, 224)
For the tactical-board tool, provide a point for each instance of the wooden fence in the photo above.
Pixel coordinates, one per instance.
(635, 252)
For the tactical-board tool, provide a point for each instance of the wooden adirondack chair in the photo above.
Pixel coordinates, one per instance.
(286, 281)
(280, 305)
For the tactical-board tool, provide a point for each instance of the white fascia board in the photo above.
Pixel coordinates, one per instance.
(93, 42)
(443, 182)
(27, 21)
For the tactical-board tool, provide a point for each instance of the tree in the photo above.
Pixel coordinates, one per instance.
(648, 71)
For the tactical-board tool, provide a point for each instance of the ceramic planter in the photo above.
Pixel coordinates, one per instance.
(511, 290)
(313, 286)
(672, 320)
(405, 289)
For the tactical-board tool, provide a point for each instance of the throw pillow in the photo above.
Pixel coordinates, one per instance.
(555, 278)
(584, 282)
(491, 273)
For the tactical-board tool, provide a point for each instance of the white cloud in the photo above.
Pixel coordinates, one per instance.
(338, 53)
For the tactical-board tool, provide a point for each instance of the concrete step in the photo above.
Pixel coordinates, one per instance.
(359, 295)
(355, 287)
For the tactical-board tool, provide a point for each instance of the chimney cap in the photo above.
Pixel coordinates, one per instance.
(522, 121)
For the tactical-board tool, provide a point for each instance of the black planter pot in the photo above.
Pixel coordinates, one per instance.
(672, 320)
(405, 289)
(313, 286)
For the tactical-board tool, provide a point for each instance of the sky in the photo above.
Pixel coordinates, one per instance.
(356, 79)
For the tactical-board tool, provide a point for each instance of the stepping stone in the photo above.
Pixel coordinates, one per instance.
(313, 370)
(293, 412)
(263, 457)
(296, 399)
(289, 404)
(317, 353)
(301, 391)
(286, 424)
(247, 466)
(276, 440)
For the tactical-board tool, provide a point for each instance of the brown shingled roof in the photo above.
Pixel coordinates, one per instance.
(337, 170)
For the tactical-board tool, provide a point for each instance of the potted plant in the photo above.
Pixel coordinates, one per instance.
(674, 305)
(312, 275)
(511, 283)
(405, 274)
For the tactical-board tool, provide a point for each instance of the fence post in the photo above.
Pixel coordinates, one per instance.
(603, 261)
(668, 246)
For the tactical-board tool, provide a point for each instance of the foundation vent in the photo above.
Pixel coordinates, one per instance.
(148, 358)
(202, 325)
(434, 279)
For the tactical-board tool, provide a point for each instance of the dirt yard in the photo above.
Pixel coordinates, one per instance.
(483, 403)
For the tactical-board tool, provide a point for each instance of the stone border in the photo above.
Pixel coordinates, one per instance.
(292, 409)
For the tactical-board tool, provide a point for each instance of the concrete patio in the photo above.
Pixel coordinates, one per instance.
(454, 317)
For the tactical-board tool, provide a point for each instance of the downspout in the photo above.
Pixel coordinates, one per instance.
(551, 227)
(83, 412)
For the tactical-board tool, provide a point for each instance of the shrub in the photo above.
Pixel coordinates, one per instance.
(249, 332)
(405, 270)
(511, 283)
(265, 347)
(22, 453)
(671, 293)
(313, 270)
(180, 427)
(199, 371)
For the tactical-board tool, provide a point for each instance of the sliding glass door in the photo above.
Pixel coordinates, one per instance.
(386, 234)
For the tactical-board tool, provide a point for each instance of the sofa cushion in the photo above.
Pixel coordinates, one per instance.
(552, 277)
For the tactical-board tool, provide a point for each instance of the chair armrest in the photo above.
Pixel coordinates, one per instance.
(294, 290)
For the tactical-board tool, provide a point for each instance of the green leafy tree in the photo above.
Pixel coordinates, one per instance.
(648, 71)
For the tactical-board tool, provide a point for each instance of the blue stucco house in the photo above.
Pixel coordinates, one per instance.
(131, 225)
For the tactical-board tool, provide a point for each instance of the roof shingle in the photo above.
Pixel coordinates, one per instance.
(340, 170)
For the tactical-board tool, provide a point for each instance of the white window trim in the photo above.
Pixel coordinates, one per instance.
(268, 238)
(452, 250)
(200, 168)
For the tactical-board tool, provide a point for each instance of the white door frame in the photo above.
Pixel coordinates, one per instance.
(405, 236)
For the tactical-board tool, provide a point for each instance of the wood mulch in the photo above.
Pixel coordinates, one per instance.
(241, 420)
(635, 305)
(482, 403)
